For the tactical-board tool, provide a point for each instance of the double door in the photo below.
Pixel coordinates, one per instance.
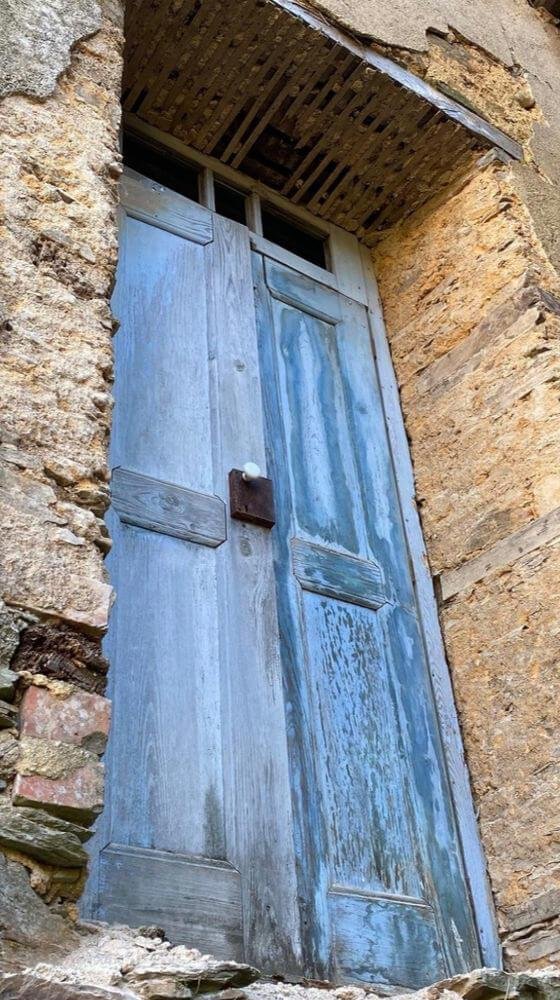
(276, 788)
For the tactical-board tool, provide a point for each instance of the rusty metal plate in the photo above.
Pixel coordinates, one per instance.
(251, 501)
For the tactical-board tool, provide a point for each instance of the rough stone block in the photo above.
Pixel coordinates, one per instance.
(81, 719)
(8, 715)
(48, 839)
(7, 683)
(27, 924)
(27, 986)
(64, 779)
(9, 753)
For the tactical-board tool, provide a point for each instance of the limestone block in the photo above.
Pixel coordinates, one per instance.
(39, 835)
(64, 779)
(81, 718)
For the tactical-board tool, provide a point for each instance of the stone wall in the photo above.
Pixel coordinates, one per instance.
(59, 119)
(474, 322)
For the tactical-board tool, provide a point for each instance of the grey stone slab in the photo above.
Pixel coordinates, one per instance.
(44, 837)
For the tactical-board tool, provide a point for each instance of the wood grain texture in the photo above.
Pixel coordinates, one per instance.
(151, 202)
(385, 942)
(164, 760)
(161, 423)
(361, 723)
(259, 712)
(542, 531)
(198, 903)
(304, 108)
(475, 862)
(333, 574)
(164, 641)
(453, 109)
(259, 826)
(302, 292)
(168, 508)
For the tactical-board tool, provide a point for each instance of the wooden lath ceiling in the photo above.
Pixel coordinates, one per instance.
(263, 90)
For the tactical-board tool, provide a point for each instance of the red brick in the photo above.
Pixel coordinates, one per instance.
(77, 796)
(82, 719)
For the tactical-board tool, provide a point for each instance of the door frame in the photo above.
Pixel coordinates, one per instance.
(353, 275)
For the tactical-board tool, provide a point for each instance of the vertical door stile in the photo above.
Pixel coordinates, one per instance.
(257, 789)
(309, 832)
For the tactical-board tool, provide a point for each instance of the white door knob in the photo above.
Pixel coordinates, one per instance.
(251, 472)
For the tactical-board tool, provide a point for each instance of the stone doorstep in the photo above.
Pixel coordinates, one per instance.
(43, 983)
(114, 962)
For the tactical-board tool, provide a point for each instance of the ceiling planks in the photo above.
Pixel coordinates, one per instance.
(343, 132)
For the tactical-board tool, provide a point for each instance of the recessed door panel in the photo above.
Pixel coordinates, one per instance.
(379, 862)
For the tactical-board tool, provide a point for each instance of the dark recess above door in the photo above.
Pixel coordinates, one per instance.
(269, 88)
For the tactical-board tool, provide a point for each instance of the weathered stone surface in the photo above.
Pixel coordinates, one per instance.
(80, 718)
(109, 961)
(147, 968)
(9, 753)
(41, 836)
(26, 986)
(64, 779)
(8, 715)
(9, 638)
(60, 652)
(59, 236)
(36, 39)
(484, 984)
(7, 683)
(27, 926)
(491, 984)
(477, 378)
(180, 970)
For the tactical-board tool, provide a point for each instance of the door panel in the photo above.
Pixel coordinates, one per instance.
(369, 788)
(386, 941)
(198, 823)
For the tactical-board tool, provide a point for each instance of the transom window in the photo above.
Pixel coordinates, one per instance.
(241, 204)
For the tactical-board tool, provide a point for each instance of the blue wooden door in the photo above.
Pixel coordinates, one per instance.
(381, 882)
(276, 782)
(196, 835)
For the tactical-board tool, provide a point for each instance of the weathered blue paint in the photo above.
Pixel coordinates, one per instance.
(335, 574)
(389, 942)
(371, 801)
(288, 797)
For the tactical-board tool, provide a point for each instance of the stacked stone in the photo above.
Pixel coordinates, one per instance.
(59, 118)
(52, 733)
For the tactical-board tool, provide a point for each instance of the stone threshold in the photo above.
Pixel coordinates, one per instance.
(117, 963)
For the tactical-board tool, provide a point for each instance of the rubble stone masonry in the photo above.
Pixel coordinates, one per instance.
(471, 301)
(59, 169)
